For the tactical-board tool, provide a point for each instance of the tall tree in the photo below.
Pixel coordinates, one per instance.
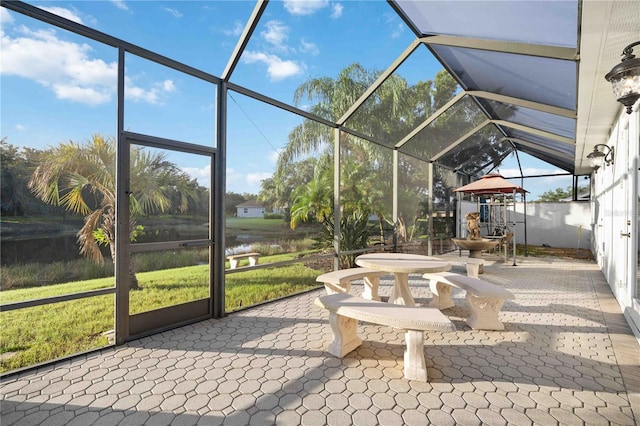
(560, 194)
(277, 191)
(17, 164)
(389, 114)
(81, 178)
(314, 201)
(231, 200)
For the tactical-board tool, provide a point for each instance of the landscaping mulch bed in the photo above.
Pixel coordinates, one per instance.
(565, 253)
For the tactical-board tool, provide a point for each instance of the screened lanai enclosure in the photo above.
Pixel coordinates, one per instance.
(127, 146)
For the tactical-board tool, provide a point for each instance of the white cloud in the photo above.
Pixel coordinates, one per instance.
(168, 86)
(65, 13)
(304, 7)
(234, 179)
(20, 127)
(174, 12)
(120, 4)
(397, 32)
(337, 9)
(257, 178)
(309, 47)
(393, 23)
(276, 33)
(236, 30)
(86, 95)
(274, 155)
(68, 70)
(277, 68)
(201, 174)
(155, 95)
(5, 17)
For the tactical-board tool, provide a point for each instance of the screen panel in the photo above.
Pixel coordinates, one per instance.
(519, 21)
(544, 80)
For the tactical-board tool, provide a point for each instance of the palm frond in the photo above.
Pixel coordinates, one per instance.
(88, 245)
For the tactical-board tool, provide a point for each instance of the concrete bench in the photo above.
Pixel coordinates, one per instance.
(475, 266)
(235, 258)
(340, 281)
(346, 310)
(484, 299)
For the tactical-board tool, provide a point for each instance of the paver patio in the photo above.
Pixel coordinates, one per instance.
(566, 356)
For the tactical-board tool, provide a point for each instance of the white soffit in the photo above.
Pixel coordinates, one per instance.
(607, 28)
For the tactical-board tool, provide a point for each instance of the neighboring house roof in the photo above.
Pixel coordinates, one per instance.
(251, 203)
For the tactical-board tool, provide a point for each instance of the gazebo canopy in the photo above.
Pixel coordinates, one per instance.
(492, 183)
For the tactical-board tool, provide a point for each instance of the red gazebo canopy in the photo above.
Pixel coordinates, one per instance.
(492, 183)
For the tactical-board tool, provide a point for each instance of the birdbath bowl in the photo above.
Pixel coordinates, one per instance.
(475, 247)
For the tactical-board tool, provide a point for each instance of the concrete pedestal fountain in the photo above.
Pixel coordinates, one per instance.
(474, 242)
(475, 247)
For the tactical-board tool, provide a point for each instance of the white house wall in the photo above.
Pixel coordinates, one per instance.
(250, 212)
(615, 216)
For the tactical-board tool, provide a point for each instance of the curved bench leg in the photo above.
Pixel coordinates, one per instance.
(441, 295)
(371, 285)
(337, 288)
(484, 312)
(415, 367)
(473, 269)
(345, 338)
(233, 263)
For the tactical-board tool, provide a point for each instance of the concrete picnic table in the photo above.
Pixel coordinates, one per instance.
(401, 265)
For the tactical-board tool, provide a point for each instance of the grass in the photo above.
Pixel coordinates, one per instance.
(33, 335)
(42, 333)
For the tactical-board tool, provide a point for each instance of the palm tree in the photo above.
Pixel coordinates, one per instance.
(393, 110)
(314, 201)
(81, 178)
(381, 115)
(366, 168)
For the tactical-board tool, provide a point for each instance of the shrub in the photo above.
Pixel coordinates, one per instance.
(36, 274)
(273, 216)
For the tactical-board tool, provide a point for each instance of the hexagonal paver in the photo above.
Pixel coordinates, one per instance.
(268, 364)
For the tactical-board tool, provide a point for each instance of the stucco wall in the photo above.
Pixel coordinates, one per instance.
(566, 224)
(616, 218)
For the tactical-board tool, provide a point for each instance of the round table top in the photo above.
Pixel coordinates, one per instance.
(403, 263)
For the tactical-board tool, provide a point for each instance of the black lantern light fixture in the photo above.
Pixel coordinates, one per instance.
(597, 157)
(625, 78)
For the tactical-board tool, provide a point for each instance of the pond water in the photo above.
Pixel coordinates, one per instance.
(41, 250)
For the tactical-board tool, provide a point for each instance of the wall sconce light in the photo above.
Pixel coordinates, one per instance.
(625, 78)
(597, 157)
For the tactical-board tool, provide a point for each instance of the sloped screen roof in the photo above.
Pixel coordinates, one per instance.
(517, 61)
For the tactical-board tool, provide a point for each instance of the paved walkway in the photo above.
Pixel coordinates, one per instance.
(566, 357)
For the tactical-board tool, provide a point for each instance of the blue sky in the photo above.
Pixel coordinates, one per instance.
(57, 86)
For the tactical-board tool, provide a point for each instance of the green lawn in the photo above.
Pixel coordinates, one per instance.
(42, 333)
(47, 332)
